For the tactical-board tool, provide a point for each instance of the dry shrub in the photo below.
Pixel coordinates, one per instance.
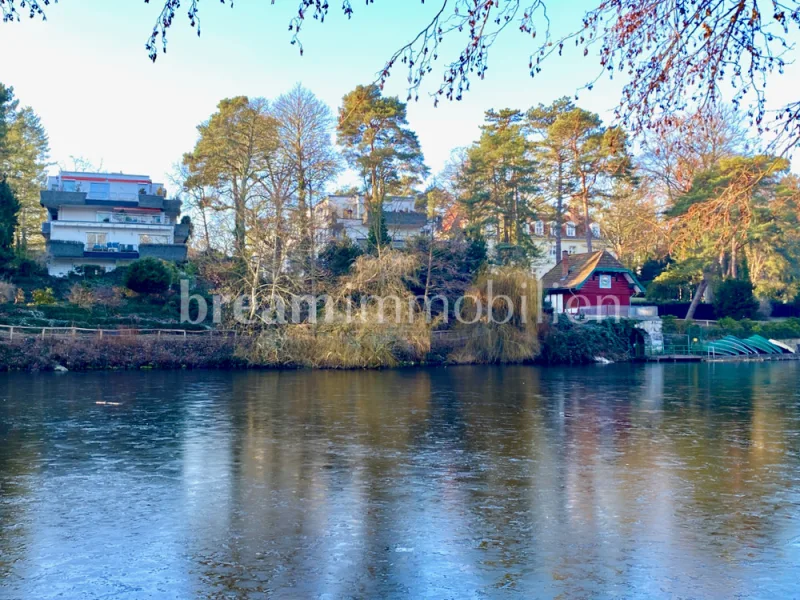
(374, 322)
(511, 336)
(342, 345)
(81, 295)
(386, 275)
(8, 291)
(109, 296)
(87, 296)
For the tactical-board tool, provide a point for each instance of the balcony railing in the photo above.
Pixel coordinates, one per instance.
(111, 247)
(106, 223)
(611, 311)
(128, 195)
(124, 196)
(142, 219)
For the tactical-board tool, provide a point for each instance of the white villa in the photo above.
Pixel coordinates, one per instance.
(573, 240)
(346, 216)
(109, 220)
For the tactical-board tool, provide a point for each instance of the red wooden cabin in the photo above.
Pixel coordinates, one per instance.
(595, 283)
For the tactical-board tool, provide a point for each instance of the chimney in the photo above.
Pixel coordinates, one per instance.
(564, 264)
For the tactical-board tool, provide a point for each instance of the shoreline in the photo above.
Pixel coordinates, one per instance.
(206, 353)
(123, 353)
(74, 349)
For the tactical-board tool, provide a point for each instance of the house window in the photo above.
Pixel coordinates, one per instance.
(68, 186)
(595, 230)
(553, 228)
(153, 239)
(605, 282)
(96, 239)
(100, 191)
(552, 251)
(570, 229)
(573, 249)
(538, 228)
(103, 217)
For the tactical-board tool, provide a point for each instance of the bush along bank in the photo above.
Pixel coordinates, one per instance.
(95, 353)
(568, 343)
(334, 346)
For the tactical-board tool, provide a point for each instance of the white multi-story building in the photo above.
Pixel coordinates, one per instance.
(573, 240)
(109, 220)
(347, 216)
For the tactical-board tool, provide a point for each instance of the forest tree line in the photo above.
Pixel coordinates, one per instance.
(685, 206)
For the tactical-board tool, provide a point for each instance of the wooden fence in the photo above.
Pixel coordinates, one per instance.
(16, 332)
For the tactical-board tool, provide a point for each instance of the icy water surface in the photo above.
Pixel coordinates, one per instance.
(613, 482)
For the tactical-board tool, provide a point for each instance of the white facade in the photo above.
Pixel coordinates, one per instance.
(346, 216)
(102, 219)
(573, 240)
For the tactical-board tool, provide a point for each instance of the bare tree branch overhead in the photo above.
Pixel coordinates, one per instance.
(13, 9)
(673, 54)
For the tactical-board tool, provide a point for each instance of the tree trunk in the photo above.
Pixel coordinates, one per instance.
(375, 212)
(205, 229)
(517, 224)
(698, 294)
(238, 219)
(733, 259)
(430, 266)
(312, 234)
(586, 217)
(306, 242)
(586, 225)
(559, 208)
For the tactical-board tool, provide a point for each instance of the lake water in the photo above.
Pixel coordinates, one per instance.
(623, 481)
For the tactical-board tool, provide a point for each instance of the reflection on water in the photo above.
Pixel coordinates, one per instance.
(620, 481)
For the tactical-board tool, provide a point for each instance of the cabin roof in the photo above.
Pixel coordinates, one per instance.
(581, 267)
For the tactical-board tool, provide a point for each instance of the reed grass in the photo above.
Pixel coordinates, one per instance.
(511, 334)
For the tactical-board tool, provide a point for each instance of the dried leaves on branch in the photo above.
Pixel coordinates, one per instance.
(674, 54)
(12, 10)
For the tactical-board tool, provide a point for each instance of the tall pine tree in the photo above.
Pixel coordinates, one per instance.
(9, 207)
(377, 142)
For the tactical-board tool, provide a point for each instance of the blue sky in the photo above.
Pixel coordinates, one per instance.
(86, 73)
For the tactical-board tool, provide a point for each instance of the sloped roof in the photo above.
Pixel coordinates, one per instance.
(581, 267)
